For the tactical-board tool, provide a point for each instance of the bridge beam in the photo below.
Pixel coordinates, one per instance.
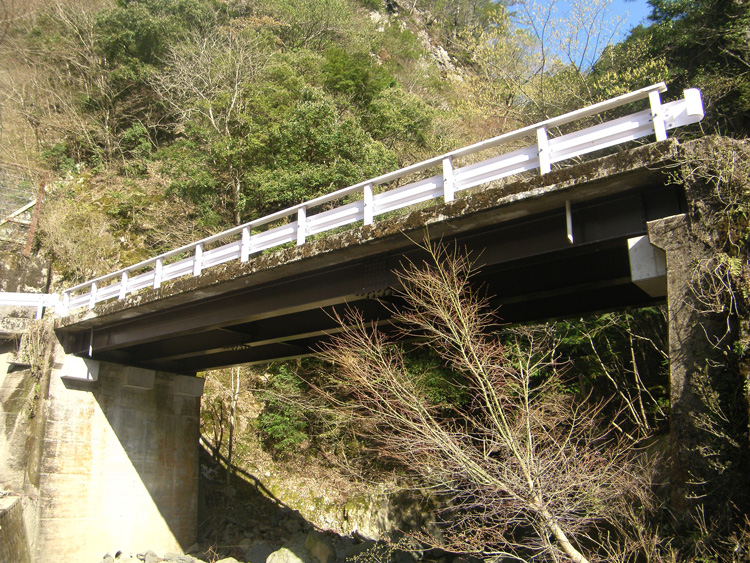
(526, 261)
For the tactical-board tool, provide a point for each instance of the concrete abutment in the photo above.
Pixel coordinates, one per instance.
(706, 388)
(119, 466)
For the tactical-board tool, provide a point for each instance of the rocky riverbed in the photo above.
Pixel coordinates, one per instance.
(243, 522)
(312, 546)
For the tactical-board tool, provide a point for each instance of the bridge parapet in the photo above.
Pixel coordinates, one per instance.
(193, 259)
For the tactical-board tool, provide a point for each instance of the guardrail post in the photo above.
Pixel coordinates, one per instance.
(198, 260)
(92, 298)
(569, 220)
(301, 220)
(369, 201)
(65, 304)
(657, 115)
(448, 187)
(123, 286)
(39, 308)
(542, 141)
(694, 102)
(245, 245)
(157, 272)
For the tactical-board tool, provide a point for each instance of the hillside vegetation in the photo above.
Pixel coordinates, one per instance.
(176, 118)
(158, 122)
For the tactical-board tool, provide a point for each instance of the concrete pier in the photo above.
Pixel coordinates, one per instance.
(119, 466)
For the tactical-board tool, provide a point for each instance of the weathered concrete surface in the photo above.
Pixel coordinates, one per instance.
(17, 405)
(699, 373)
(22, 274)
(14, 543)
(120, 464)
(20, 441)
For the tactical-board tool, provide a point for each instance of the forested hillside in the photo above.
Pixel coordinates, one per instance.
(158, 122)
(177, 118)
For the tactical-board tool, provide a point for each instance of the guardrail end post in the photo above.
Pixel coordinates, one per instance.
(448, 187)
(65, 306)
(123, 286)
(92, 298)
(198, 260)
(157, 272)
(657, 115)
(369, 204)
(694, 102)
(245, 245)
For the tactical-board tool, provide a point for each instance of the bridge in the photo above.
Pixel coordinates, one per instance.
(555, 235)
(552, 244)
(282, 305)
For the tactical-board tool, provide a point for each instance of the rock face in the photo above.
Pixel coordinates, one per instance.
(21, 274)
(318, 547)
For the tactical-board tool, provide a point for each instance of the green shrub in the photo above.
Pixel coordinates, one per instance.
(282, 424)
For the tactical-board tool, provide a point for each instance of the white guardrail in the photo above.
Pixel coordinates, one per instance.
(36, 300)
(546, 151)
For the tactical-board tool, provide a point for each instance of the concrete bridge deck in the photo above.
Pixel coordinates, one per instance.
(278, 305)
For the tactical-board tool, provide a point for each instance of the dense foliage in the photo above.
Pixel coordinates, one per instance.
(240, 108)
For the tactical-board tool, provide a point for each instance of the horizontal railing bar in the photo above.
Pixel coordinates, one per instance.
(562, 119)
(10, 299)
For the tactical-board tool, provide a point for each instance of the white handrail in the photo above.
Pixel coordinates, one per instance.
(546, 151)
(36, 300)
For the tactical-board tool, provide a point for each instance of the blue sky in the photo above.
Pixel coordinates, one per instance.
(572, 32)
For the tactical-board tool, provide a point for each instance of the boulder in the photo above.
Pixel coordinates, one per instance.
(284, 555)
(318, 547)
(259, 552)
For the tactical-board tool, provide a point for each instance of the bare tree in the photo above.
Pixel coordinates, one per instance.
(206, 78)
(543, 55)
(625, 348)
(225, 390)
(529, 469)
(14, 11)
(46, 84)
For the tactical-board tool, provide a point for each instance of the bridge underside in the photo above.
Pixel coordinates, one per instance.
(252, 313)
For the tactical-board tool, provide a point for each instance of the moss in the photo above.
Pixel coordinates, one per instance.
(21, 400)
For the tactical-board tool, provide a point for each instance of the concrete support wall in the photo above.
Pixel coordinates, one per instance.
(702, 380)
(20, 439)
(119, 466)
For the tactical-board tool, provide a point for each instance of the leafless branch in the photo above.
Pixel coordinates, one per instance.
(528, 468)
